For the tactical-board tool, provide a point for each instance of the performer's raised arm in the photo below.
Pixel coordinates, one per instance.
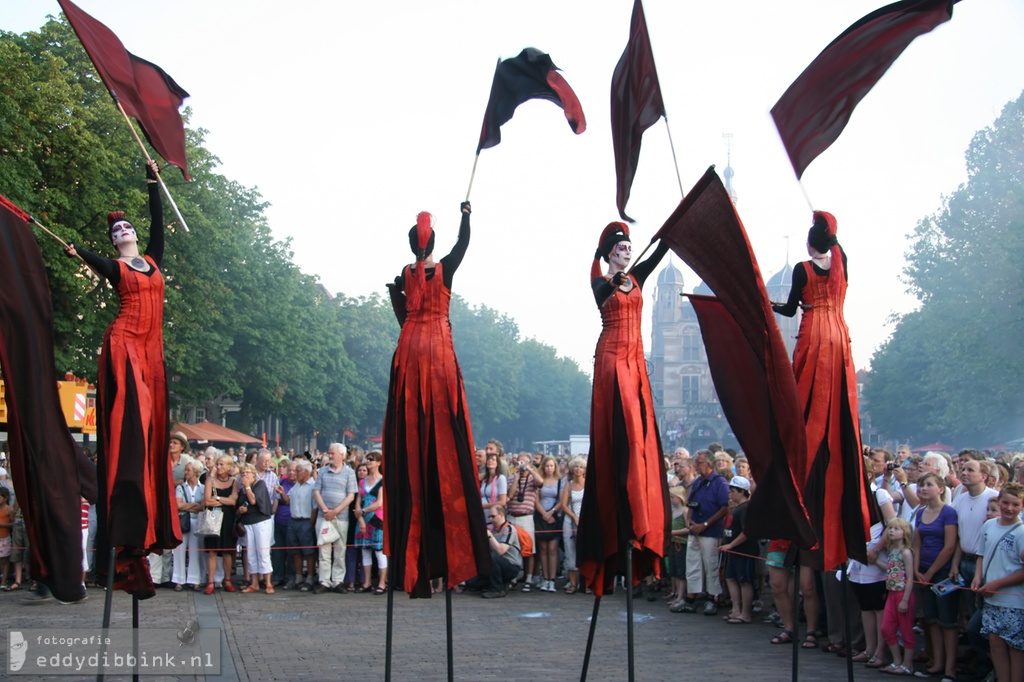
(452, 261)
(155, 248)
(644, 269)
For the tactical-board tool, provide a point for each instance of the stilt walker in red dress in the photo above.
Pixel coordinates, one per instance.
(625, 519)
(433, 525)
(834, 493)
(136, 511)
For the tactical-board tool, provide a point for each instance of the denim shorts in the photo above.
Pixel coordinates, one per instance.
(935, 609)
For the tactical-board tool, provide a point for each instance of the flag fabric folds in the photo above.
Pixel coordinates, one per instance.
(50, 473)
(747, 358)
(528, 75)
(636, 105)
(145, 91)
(814, 110)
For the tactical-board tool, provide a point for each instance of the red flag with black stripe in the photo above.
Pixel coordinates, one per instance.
(50, 473)
(747, 358)
(529, 75)
(636, 104)
(145, 90)
(815, 109)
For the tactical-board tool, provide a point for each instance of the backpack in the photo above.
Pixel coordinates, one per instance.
(525, 543)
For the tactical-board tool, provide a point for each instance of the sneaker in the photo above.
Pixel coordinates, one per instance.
(687, 607)
(527, 587)
(757, 606)
(321, 589)
(305, 587)
(551, 586)
(651, 596)
(490, 594)
(709, 608)
(290, 585)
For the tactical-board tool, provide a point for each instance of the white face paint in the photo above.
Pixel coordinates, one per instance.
(621, 255)
(122, 232)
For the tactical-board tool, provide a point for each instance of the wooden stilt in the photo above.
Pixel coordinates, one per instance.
(448, 630)
(387, 631)
(590, 638)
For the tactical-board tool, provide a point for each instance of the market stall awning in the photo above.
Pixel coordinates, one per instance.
(208, 432)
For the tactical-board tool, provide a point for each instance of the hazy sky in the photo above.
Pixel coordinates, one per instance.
(351, 117)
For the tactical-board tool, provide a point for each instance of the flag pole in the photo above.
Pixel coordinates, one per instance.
(145, 152)
(803, 189)
(675, 162)
(472, 175)
(59, 240)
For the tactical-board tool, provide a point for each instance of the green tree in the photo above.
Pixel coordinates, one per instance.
(952, 369)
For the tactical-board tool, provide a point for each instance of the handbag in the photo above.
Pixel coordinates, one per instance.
(184, 517)
(210, 521)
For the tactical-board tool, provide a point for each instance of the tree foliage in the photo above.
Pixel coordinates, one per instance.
(241, 319)
(953, 368)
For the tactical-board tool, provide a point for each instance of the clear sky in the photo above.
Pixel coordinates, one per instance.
(351, 117)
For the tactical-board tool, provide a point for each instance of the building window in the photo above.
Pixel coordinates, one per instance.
(691, 388)
(691, 347)
(200, 414)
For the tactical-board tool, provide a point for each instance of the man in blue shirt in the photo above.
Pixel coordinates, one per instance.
(709, 504)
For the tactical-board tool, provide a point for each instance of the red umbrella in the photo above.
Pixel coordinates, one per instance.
(938, 447)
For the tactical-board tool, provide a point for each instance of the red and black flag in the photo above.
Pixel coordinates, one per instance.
(636, 105)
(747, 357)
(813, 112)
(528, 75)
(145, 91)
(49, 471)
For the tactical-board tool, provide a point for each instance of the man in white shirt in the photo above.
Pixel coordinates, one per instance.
(971, 507)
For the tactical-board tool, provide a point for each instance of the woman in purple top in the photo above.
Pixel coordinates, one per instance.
(935, 540)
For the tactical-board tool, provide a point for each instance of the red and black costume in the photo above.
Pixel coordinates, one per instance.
(626, 498)
(433, 524)
(136, 511)
(834, 493)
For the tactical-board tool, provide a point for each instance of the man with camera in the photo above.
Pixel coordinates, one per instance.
(883, 464)
(522, 501)
(506, 557)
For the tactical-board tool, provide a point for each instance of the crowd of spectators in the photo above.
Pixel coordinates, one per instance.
(313, 522)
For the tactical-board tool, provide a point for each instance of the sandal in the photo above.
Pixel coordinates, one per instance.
(229, 586)
(13, 587)
(270, 589)
(527, 587)
(875, 662)
(810, 642)
(737, 621)
(379, 590)
(784, 637)
(249, 589)
(570, 589)
(893, 669)
(832, 648)
(862, 657)
(209, 589)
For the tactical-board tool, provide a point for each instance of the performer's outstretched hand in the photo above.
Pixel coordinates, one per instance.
(151, 171)
(466, 208)
(70, 250)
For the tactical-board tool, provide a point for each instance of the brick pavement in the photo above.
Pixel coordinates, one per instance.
(301, 636)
